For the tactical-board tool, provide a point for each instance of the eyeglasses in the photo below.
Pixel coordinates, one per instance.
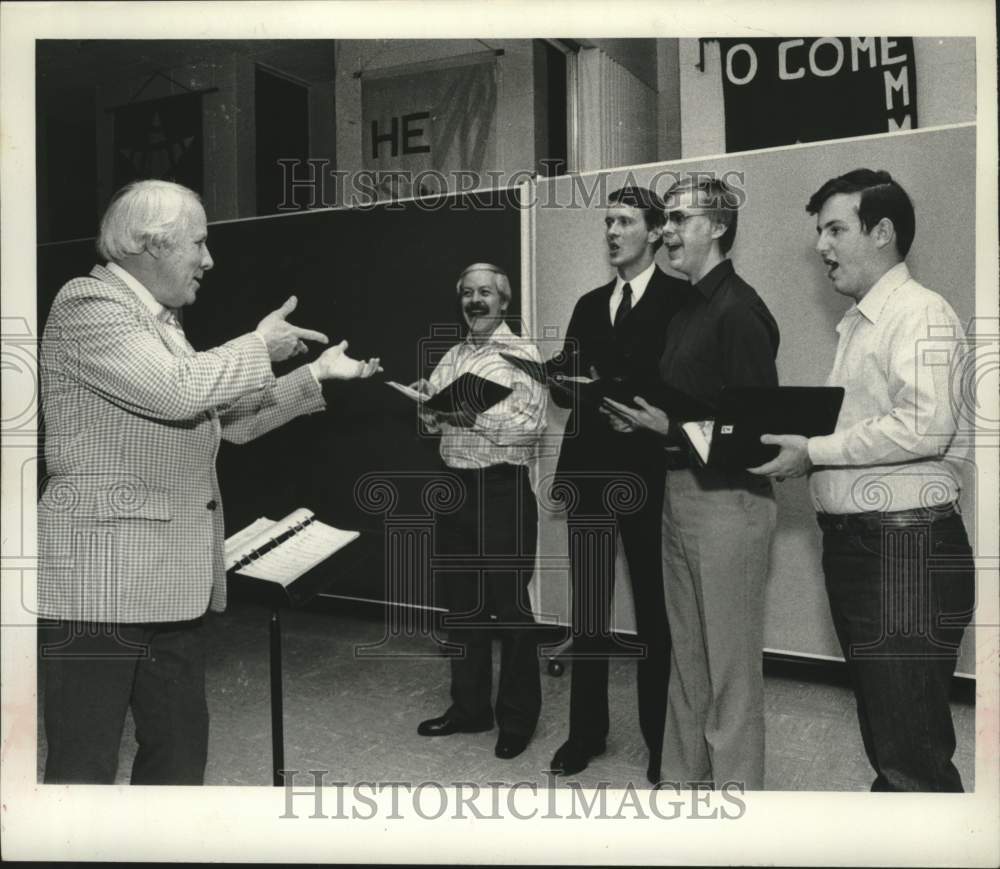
(679, 218)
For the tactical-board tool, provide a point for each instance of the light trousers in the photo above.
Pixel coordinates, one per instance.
(717, 529)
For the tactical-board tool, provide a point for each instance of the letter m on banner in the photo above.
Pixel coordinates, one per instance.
(425, 121)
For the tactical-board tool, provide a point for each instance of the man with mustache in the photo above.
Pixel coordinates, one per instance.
(496, 525)
(130, 524)
(900, 580)
(616, 330)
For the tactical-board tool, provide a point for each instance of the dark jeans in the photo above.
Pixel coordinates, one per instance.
(901, 593)
(491, 540)
(592, 548)
(94, 672)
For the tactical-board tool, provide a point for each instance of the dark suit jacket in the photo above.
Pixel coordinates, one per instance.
(589, 444)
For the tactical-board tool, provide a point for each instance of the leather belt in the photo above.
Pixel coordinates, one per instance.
(491, 472)
(862, 522)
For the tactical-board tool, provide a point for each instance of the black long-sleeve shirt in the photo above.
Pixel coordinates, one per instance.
(723, 335)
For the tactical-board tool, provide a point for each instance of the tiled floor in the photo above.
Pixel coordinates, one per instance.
(355, 717)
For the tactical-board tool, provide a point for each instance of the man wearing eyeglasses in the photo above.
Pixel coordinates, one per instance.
(717, 524)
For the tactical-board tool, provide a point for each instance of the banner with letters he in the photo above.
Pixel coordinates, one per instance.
(425, 123)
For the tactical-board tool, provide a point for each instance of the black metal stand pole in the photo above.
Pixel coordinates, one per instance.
(277, 712)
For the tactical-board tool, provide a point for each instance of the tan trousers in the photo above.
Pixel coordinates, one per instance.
(717, 529)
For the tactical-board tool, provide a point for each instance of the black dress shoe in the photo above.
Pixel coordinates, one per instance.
(446, 726)
(574, 755)
(510, 745)
(653, 774)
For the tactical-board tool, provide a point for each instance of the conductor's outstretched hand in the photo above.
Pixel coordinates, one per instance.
(282, 338)
(335, 364)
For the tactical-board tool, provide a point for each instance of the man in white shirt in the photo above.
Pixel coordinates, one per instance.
(898, 565)
(494, 531)
(130, 526)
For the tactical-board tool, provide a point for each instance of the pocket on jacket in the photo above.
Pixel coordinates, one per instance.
(78, 498)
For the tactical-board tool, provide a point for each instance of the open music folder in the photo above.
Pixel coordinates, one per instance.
(592, 391)
(468, 392)
(731, 438)
(282, 551)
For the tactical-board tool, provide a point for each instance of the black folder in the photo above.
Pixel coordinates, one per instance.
(469, 392)
(677, 405)
(746, 413)
(543, 372)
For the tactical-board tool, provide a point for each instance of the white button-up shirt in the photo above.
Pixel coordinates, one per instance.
(638, 285)
(508, 432)
(899, 359)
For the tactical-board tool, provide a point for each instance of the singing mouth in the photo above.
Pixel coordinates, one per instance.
(831, 266)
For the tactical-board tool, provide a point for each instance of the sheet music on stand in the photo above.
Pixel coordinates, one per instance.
(282, 551)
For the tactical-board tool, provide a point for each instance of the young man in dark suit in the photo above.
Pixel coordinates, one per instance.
(611, 481)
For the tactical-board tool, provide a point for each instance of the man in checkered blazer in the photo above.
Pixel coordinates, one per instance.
(130, 520)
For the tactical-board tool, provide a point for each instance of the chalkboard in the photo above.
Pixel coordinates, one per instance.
(383, 278)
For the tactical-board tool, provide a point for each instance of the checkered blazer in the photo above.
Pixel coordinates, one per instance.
(130, 525)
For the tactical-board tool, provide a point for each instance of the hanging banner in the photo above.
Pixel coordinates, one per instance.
(783, 91)
(430, 128)
(160, 139)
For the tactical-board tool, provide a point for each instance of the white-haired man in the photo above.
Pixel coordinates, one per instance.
(130, 519)
(496, 528)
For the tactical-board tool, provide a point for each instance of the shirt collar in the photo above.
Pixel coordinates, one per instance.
(135, 285)
(874, 301)
(638, 283)
(710, 283)
(501, 335)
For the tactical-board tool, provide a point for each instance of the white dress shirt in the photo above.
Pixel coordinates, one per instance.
(158, 310)
(508, 432)
(638, 285)
(167, 316)
(137, 287)
(899, 359)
